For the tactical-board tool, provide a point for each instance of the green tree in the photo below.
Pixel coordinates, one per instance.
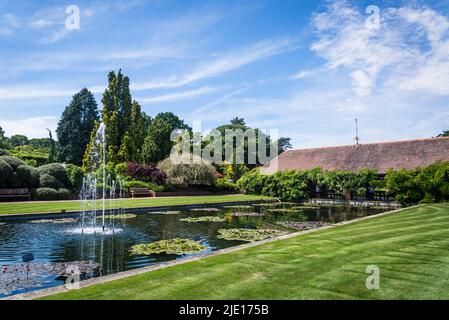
(157, 144)
(75, 126)
(4, 143)
(239, 124)
(133, 139)
(18, 140)
(116, 114)
(53, 148)
(444, 134)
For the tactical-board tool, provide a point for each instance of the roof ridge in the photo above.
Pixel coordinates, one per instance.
(371, 143)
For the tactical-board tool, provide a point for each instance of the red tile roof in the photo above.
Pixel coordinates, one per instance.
(382, 156)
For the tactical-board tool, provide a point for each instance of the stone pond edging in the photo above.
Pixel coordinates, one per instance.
(125, 274)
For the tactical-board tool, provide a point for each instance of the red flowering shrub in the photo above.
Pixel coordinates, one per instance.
(145, 172)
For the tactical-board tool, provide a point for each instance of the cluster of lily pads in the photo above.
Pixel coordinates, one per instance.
(284, 210)
(123, 216)
(20, 276)
(249, 235)
(165, 212)
(56, 221)
(238, 207)
(247, 214)
(306, 225)
(172, 246)
(203, 219)
(206, 209)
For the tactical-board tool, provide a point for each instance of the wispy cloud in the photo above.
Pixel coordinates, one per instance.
(224, 63)
(30, 91)
(394, 51)
(31, 127)
(177, 96)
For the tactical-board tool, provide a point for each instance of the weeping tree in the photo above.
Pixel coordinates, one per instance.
(182, 174)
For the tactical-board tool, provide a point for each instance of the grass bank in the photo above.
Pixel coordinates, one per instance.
(58, 206)
(409, 247)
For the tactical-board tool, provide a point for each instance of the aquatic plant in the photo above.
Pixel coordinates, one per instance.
(303, 225)
(284, 210)
(305, 207)
(273, 204)
(123, 216)
(171, 246)
(237, 207)
(206, 209)
(203, 219)
(57, 221)
(165, 212)
(247, 214)
(249, 235)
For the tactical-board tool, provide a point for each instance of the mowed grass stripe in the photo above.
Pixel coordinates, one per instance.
(58, 206)
(408, 247)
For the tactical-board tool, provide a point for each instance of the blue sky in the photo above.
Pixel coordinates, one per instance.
(306, 68)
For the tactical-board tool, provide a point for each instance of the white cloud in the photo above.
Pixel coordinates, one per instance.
(8, 24)
(410, 51)
(31, 127)
(225, 63)
(177, 96)
(33, 91)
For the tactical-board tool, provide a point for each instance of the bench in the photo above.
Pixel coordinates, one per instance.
(15, 193)
(141, 192)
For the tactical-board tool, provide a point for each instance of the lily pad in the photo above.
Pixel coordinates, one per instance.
(303, 225)
(237, 207)
(171, 246)
(273, 204)
(305, 207)
(165, 212)
(284, 210)
(206, 209)
(123, 216)
(247, 214)
(249, 235)
(57, 221)
(203, 219)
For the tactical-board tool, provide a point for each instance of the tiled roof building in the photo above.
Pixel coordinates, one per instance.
(382, 156)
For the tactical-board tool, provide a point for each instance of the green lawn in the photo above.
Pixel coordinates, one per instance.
(57, 206)
(411, 248)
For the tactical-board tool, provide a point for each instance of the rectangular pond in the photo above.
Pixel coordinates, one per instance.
(58, 247)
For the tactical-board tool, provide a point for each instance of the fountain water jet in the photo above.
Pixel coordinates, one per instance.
(89, 191)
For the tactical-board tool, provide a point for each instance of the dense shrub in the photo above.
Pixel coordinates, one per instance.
(55, 170)
(296, 185)
(197, 173)
(5, 173)
(75, 176)
(28, 176)
(13, 161)
(252, 182)
(48, 181)
(147, 173)
(64, 194)
(141, 184)
(46, 194)
(290, 185)
(224, 184)
(120, 169)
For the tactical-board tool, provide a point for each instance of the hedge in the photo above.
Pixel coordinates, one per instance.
(46, 194)
(56, 170)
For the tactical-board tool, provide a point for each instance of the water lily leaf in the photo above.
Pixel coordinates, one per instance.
(171, 246)
(249, 235)
(203, 219)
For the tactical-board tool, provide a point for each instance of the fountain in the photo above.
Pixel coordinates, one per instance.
(89, 194)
